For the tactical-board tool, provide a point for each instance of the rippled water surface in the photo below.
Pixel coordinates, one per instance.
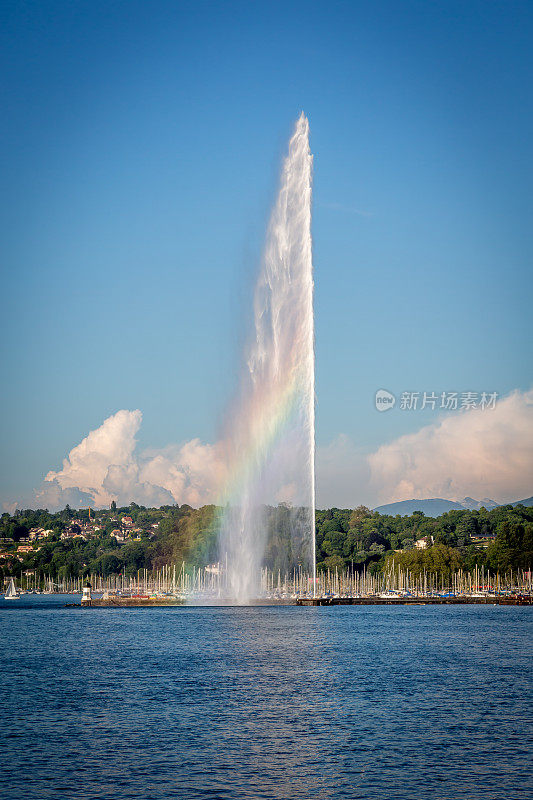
(378, 702)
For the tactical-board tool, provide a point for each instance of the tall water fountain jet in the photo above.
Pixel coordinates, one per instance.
(269, 503)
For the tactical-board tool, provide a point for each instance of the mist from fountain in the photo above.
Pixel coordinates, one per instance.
(269, 502)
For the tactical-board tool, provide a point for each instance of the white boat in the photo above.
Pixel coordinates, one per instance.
(11, 593)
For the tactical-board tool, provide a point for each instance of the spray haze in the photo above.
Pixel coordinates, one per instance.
(270, 443)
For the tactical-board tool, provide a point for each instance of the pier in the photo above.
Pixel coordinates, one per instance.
(128, 602)
(158, 602)
(519, 600)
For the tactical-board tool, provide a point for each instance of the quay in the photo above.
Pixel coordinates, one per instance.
(159, 602)
(519, 600)
(128, 602)
(114, 600)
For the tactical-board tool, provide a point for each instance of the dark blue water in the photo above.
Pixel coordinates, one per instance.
(386, 703)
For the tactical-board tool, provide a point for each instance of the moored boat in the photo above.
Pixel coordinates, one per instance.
(11, 593)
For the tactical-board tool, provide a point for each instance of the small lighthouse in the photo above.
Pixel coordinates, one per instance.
(86, 599)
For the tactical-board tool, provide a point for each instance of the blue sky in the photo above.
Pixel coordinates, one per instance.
(141, 146)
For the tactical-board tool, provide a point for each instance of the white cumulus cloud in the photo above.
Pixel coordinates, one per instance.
(111, 445)
(106, 466)
(191, 472)
(476, 453)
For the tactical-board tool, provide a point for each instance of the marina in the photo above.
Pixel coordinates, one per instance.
(175, 586)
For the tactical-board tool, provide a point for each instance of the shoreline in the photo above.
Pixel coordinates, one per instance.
(526, 600)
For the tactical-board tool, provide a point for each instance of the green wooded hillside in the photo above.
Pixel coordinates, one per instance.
(124, 540)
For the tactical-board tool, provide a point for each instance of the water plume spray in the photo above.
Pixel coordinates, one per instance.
(271, 437)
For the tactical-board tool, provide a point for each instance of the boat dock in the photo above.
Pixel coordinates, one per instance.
(519, 600)
(128, 602)
(158, 602)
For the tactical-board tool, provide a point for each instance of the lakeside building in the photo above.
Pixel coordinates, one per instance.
(424, 542)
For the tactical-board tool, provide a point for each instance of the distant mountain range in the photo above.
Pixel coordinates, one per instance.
(437, 506)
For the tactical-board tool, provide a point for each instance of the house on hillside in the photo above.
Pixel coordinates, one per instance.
(423, 543)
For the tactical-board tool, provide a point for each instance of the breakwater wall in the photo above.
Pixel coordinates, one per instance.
(415, 601)
(309, 601)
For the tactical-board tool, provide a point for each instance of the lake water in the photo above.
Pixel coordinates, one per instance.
(380, 702)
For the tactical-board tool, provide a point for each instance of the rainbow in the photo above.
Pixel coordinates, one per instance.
(269, 446)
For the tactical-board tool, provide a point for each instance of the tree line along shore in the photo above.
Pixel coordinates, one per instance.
(122, 541)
